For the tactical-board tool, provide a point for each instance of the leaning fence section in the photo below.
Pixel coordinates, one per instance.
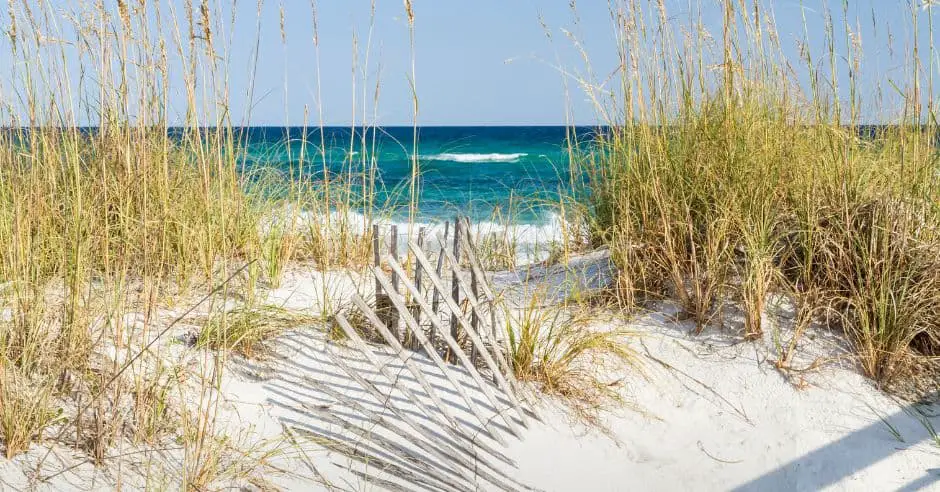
(432, 296)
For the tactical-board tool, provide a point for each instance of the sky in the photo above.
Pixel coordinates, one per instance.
(476, 62)
(479, 62)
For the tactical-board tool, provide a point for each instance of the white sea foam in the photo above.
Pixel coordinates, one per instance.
(531, 241)
(468, 158)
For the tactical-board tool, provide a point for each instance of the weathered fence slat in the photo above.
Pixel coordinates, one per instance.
(415, 310)
(475, 339)
(470, 297)
(474, 313)
(393, 250)
(478, 276)
(417, 332)
(436, 299)
(470, 293)
(461, 282)
(455, 284)
(507, 383)
(376, 254)
(467, 363)
(477, 266)
(389, 404)
(399, 353)
(457, 317)
(501, 341)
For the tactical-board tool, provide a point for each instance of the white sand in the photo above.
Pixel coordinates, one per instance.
(720, 417)
(723, 418)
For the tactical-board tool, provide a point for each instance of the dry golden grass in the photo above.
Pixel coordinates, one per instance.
(27, 409)
(553, 347)
(247, 330)
(717, 186)
(100, 225)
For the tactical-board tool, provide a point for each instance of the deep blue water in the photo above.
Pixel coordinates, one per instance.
(475, 171)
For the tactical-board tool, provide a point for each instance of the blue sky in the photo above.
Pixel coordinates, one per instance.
(480, 61)
(490, 61)
(486, 61)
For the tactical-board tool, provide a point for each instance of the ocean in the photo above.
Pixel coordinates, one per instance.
(485, 172)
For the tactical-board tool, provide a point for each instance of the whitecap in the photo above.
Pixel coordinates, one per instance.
(470, 157)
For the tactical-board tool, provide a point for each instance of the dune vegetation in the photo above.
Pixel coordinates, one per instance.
(722, 180)
(718, 179)
(114, 202)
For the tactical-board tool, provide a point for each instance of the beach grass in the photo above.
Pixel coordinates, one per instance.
(722, 179)
(709, 187)
(554, 347)
(246, 330)
(116, 209)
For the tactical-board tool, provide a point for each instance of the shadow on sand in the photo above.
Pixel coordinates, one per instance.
(841, 459)
(373, 429)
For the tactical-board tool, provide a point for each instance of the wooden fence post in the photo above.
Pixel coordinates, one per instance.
(376, 255)
(436, 296)
(455, 285)
(474, 285)
(383, 304)
(415, 308)
(393, 251)
(474, 316)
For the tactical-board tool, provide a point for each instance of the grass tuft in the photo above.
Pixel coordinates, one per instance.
(563, 356)
(246, 331)
(26, 410)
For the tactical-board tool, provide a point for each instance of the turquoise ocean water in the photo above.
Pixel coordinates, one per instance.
(474, 171)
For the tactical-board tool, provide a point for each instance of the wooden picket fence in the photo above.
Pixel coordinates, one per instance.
(434, 299)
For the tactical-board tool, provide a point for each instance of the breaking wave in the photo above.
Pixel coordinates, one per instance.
(457, 157)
